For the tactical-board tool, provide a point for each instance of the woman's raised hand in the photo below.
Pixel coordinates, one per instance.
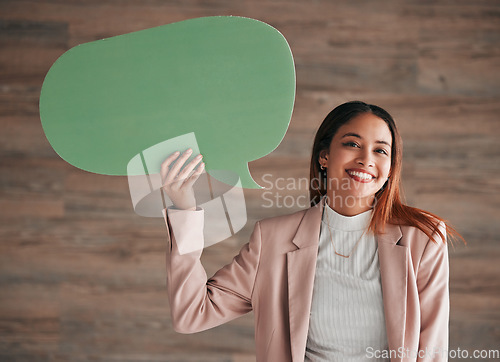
(177, 183)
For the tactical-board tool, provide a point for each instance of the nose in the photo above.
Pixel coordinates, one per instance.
(365, 159)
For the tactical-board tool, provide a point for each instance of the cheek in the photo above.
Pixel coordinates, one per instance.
(386, 169)
(340, 160)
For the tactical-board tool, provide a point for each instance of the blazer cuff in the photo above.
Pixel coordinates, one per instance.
(187, 228)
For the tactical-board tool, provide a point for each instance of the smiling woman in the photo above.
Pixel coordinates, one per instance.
(358, 271)
(360, 156)
(371, 175)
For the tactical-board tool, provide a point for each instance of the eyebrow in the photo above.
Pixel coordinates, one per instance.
(358, 136)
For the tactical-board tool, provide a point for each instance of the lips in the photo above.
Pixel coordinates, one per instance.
(360, 175)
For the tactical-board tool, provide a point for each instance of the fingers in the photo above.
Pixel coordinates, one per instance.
(165, 164)
(189, 167)
(170, 173)
(174, 173)
(196, 174)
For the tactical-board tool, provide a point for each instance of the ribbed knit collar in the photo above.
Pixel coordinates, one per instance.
(346, 223)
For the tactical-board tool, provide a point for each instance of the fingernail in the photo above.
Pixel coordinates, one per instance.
(189, 150)
(199, 156)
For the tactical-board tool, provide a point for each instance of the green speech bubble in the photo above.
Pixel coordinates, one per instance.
(230, 80)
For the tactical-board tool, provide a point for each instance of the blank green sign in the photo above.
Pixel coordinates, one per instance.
(228, 80)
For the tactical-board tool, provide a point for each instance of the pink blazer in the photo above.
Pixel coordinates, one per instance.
(273, 275)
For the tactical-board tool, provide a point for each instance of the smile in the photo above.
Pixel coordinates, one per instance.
(360, 176)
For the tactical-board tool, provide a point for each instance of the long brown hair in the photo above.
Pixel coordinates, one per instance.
(389, 206)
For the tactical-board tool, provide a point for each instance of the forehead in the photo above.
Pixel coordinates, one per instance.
(368, 126)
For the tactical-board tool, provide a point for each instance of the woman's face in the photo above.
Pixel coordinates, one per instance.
(358, 161)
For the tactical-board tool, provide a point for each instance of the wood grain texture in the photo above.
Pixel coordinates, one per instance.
(83, 278)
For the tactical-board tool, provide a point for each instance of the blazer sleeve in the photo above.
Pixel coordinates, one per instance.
(196, 303)
(433, 289)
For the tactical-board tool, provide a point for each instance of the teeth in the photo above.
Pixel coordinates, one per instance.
(362, 175)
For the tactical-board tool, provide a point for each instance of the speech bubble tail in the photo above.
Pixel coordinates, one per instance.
(247, 180)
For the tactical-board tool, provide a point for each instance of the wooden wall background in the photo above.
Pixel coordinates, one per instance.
(82, 277)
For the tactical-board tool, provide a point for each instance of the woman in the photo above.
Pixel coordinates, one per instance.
(358, 276)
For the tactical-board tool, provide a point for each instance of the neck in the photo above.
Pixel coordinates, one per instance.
(351, 208)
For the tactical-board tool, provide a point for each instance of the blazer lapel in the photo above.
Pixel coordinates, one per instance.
(301, 265)
(393, 260)
(301, 268)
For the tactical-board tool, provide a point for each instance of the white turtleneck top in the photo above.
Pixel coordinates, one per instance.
(347, 312)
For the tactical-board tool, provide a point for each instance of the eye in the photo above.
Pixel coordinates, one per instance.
(350, 144)
(382, 151)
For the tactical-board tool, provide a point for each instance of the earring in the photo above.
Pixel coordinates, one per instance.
(322, 168)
